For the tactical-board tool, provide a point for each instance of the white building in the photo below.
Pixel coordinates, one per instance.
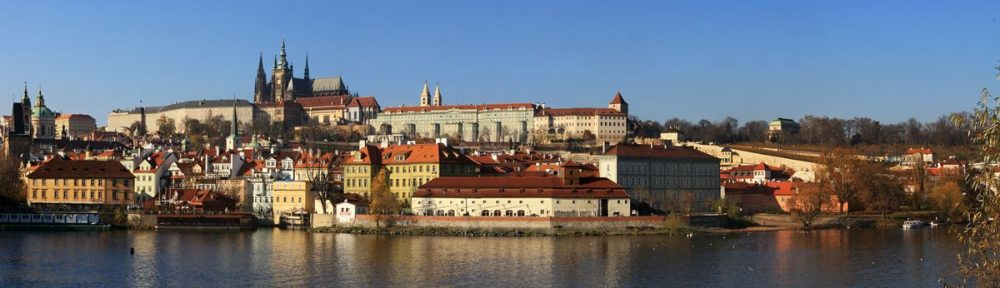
(603, 124)
(505, 122)
(564, 195)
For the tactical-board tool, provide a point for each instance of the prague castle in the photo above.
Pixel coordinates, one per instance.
(284, 99)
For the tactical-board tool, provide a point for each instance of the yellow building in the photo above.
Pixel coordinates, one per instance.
(81, 184)
(408, 166)
(290, 197)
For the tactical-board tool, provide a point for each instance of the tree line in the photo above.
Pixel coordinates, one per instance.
(818, 130)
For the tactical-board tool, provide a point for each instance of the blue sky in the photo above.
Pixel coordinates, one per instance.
(888, 60)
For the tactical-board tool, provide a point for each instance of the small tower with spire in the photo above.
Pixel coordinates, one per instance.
(437, 95)
(425, 96)
(233, 141)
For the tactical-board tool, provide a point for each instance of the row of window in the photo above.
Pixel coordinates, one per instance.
(79, 182)
(286, 199)
(77, 194)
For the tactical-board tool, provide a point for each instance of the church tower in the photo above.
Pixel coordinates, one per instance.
(260, 92)
(437, 95)
(26, 111)
(425, 96)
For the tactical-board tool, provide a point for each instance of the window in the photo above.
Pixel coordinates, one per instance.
(520, 213)
(485, 213)
(496, 212)
(509, 213)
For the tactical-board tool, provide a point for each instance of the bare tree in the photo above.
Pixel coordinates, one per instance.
(808, 203)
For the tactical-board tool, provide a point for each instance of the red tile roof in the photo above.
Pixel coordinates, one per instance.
(618, 99)
(412, 153)
(366, 101)
(919, 151)
(529, 185)
(480, 107)
(580, 112)
(324, 101)
(75, 117)
(657, 151)
(82, 169)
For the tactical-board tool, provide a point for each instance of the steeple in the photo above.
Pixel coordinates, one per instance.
(260, 84)
(306, 76)
(233, 141)
(618, 103)
(425, 96)
(40, 101)
(283, 61)
(437, 94)
(234, 129)
(25, 100)
(275, 65)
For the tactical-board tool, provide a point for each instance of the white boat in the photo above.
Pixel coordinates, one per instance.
(934, 224)
(911, 224)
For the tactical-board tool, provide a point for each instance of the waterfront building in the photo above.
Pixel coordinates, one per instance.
(408, 166)
(565, 194)
(75, 126)
(80, 184)
(599, 124)
(504, 122)
(759, 173)
(665, 177)
(770, 197)
(191, 200)
(291, 198)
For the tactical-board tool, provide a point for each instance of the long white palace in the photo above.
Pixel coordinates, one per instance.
(293, 101)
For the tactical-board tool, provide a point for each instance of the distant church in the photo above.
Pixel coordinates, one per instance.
(284, 87)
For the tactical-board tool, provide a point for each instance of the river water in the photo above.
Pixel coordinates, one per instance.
(266, 257)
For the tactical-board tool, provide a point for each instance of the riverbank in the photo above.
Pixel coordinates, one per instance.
(501, 232)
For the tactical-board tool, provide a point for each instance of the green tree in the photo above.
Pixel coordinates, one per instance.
(167, 127)
(980, 260)
(13, 187)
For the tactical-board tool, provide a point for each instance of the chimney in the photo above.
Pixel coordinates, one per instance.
(604, 147)
(570, 176)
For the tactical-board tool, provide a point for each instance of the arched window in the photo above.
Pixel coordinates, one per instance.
(509, 213)
(485, 213)
(440, 213)
(451, 212)
(520, 213)
(495, 212)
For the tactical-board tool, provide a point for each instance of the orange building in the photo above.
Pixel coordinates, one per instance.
(771, 197)
(80, 184)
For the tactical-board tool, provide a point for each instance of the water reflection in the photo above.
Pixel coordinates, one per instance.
(885, 258)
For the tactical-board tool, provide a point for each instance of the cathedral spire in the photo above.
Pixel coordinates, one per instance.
(283, 61)
(425, 96)
(260, 84)
(306, 76)
(437, 94)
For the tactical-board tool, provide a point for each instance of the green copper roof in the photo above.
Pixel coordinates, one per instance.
(42, 111)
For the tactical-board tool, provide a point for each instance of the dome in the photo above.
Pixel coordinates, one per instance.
(42, 111)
